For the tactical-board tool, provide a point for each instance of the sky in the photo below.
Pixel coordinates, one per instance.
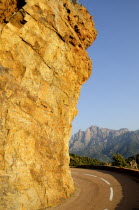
(110, 98)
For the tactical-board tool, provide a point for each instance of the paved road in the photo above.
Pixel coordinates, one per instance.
(102, 190)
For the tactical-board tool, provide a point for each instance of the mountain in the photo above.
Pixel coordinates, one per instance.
(102, 143)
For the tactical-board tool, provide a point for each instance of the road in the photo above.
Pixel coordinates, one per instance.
(102, 190)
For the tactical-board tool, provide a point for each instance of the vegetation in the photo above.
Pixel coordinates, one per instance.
(119, 160)
(134, 158)
(76, 160)
(131, 162)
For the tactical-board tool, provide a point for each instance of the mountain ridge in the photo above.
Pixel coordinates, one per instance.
(102, 143)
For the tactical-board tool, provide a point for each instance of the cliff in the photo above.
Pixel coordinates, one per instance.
(43, 63)
(102, 143)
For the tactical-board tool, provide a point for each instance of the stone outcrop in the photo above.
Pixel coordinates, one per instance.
(133, 164)
(43, 63)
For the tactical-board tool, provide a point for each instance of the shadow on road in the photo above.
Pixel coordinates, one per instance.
(130, 190)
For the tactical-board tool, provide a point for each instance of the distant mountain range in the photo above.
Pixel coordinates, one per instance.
(102, 143)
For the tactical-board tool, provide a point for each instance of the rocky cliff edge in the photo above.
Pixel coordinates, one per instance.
(43, 64)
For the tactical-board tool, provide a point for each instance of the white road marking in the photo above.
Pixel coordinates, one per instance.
(111, 193)
(105, 181)
(89, 175)
(111, 189)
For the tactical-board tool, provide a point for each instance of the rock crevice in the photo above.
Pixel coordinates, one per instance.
(43, 63)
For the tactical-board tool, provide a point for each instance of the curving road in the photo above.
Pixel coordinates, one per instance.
(102, 190)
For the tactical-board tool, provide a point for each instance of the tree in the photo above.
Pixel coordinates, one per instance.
(118, 160)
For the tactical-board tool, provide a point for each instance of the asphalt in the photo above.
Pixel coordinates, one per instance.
(102, 190)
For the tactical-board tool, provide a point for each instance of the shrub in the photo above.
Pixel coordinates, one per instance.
(76, 160)
(119, 160)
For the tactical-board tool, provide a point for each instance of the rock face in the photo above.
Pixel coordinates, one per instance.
(8, 7)
(43, 64)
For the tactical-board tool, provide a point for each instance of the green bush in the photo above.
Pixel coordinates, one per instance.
(119, 160)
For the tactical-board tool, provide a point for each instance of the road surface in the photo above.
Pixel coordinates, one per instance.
(102, 190)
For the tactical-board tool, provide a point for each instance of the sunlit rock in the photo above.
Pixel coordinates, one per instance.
(43, 64)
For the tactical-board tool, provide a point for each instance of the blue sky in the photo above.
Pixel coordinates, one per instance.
(110, 98)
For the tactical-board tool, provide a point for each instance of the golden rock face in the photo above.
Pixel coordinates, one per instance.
(43, 64)
(8, 8)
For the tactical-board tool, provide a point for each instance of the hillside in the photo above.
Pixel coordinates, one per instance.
(102, 143)
(76, 160)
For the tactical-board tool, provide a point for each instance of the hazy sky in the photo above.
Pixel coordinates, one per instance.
(110, 98)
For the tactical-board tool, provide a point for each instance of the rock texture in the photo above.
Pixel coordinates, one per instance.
(102, 143)
(43, 63)
(8, 8)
